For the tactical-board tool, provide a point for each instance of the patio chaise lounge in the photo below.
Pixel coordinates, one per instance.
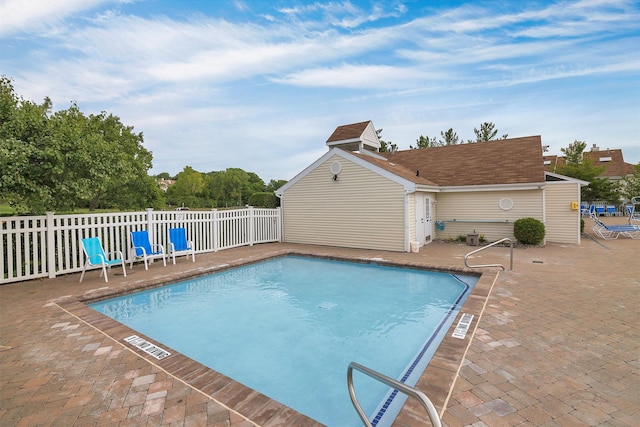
(141, 247)
(96, 257)
(610, 232)
(179, 245)
(584, 210)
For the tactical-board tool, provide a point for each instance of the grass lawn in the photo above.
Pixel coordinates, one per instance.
(5, 209)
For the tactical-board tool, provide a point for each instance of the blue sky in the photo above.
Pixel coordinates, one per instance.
(261, 85)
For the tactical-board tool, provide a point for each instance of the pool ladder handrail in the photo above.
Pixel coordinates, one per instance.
(408, 390)
(487, 247)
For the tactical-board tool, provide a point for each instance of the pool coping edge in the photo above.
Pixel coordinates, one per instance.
(437, 381)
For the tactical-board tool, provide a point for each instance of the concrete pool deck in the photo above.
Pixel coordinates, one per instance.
(557, 344)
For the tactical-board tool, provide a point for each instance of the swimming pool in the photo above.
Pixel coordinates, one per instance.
(289, 327)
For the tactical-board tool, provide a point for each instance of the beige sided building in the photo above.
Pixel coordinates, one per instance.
(354, 196)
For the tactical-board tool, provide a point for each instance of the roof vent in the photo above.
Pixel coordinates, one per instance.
(335, 168)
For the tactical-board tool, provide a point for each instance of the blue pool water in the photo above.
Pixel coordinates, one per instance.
(289, 327)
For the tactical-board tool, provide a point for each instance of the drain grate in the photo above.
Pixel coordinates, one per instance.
(147, 347)
(463, 326)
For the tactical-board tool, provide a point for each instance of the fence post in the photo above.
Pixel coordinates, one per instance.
(215, 229)
(279, 224)
(150, 226)
(251, 225)
(51, 250)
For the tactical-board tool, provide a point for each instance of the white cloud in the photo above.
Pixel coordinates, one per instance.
(264, 95)
(119, 54)
(355, 76)
(18, 16)
(344, 14)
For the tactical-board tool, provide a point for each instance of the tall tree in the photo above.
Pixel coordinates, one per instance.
(187, 189)
(212, 192)
(449, 138)
(574, 152)
(67, 160)
(601, 189)
(576, 166)
(385, 146)
(254, 185)
(631, 184)
(25, 152)
(424, 142)
(102, 158)
(234, 184)
(487, 132)
(274, 184)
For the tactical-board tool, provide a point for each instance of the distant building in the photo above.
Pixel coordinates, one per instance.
(613, 161)
(164, 184)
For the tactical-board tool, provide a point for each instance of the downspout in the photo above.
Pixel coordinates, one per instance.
(544, 211)
(281, 218)
(407, 238)
(579, 214)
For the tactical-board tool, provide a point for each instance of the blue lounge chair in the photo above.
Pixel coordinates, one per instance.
(600, 211)
(97, 258)
(612, 211)
(179, 245)
(610, 232)
(584, 210)
(141, 247)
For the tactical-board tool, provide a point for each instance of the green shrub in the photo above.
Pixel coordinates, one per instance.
(528, 231)
(581, 225)
(264, 200)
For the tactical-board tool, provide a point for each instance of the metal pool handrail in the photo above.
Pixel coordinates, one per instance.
(409, 391)
(486, 247)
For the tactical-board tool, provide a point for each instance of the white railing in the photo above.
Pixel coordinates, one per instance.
(33, 247)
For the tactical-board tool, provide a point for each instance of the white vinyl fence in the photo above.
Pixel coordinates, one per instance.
(45, 246)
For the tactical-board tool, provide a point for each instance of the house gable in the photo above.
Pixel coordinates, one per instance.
(367, 162)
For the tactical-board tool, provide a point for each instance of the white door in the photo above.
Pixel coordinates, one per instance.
(423, 218)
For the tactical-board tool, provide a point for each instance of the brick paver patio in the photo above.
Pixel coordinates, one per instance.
(557, 345)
